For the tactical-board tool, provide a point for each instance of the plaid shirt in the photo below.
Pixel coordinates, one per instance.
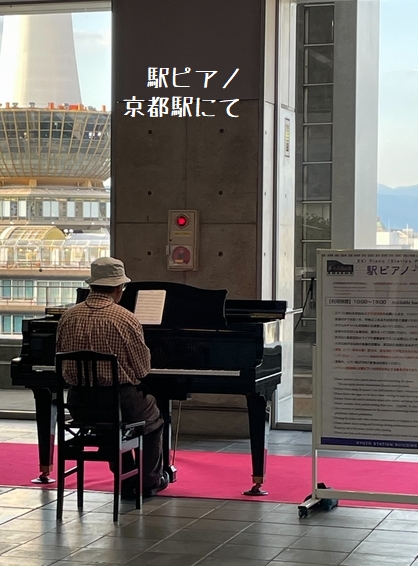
(101, 325)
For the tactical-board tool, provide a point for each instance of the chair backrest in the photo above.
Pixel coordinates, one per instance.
(95, 403)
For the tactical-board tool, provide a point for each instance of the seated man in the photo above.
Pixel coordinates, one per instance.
(100, 324)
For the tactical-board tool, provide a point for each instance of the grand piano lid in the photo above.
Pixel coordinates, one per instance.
(249, 310)
(185, 306)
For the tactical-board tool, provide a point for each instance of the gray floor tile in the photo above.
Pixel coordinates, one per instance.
(15, 561)
(37, 551)
(99, 555)
(223, 561)
(182, 511)
(279, 529)
(263, 539)
(357, 559)
(339, 533)
(311, 557)
(388, 549)
(196, 535)
(213, 525)
(398, 525)
(248, 552)
(171, 546)
(116, 543)
(325, 543)
(156, 559)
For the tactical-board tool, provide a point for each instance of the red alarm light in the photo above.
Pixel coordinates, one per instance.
(182, 221)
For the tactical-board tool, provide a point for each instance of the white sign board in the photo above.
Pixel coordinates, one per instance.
(367, 349)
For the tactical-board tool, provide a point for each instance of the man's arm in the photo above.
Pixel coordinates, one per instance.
(138, 352)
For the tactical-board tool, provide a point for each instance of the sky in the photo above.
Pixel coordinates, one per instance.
(398, 89)
(398, 96)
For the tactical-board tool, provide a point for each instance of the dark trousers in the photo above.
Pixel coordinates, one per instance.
(152, 457)
(135, 406)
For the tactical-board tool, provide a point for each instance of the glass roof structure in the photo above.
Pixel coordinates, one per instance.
(54, 142)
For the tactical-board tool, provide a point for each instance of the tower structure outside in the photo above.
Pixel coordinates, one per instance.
(54, 160)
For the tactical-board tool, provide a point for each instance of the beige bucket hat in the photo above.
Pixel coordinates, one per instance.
(108, 272)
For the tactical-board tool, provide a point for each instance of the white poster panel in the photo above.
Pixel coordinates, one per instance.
(368, 349)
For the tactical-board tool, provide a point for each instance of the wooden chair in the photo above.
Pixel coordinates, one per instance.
(96, 425)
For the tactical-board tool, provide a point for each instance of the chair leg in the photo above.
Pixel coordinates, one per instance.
(80, 483)
(117, 484)
(60, 485)
(138, 458)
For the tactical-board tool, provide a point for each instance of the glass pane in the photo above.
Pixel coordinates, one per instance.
(70, 209)
(46, 209)
(320, 24)
(22, 209)
(318, 103)
(86, 209)
(319, 64)
(54, 209)
(317, 181)
(317, 222)
(6, 208)
(95, 210)
(7, 289)
(17, 324)
(7, 324)
(28, 289)
(318, 143)
(309, 253)
(108, 209)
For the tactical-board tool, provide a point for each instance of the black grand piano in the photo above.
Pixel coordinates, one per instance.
(204, 344)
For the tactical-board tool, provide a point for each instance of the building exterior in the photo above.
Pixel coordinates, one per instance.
(55, 158)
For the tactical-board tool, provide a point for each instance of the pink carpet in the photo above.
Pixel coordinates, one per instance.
(220, 475)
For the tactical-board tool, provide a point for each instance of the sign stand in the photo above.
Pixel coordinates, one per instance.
(365, 376)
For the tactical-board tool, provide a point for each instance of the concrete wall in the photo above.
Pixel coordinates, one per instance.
(226, 168)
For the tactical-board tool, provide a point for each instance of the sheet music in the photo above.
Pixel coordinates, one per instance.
(149, 306)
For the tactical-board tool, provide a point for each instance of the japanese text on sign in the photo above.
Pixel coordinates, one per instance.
(180, 106)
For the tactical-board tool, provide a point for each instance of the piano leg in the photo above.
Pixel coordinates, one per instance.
(46, 418)
(259, 422)
(165, 406)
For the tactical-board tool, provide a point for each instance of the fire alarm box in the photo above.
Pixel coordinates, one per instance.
(182, 240)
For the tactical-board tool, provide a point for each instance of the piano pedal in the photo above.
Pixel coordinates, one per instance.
(255, 490)
(43, 479)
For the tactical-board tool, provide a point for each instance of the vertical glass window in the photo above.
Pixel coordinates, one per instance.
(6, 289)
(319, 24)
(95, 210)
(46, 209)
(22, 209)
(18, 289)
(17, 324)
(41, 292)
(108, 210)
(70, 209)
(87, 209)
(6, 208)
(28, 289)
(55, 209)
(6, 324)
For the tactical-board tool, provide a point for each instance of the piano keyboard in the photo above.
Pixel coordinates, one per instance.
(168, 371)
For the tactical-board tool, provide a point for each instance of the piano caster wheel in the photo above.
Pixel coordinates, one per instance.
(255, 490)
(43, 479)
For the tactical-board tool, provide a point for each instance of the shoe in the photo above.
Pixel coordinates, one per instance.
(162, 484)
